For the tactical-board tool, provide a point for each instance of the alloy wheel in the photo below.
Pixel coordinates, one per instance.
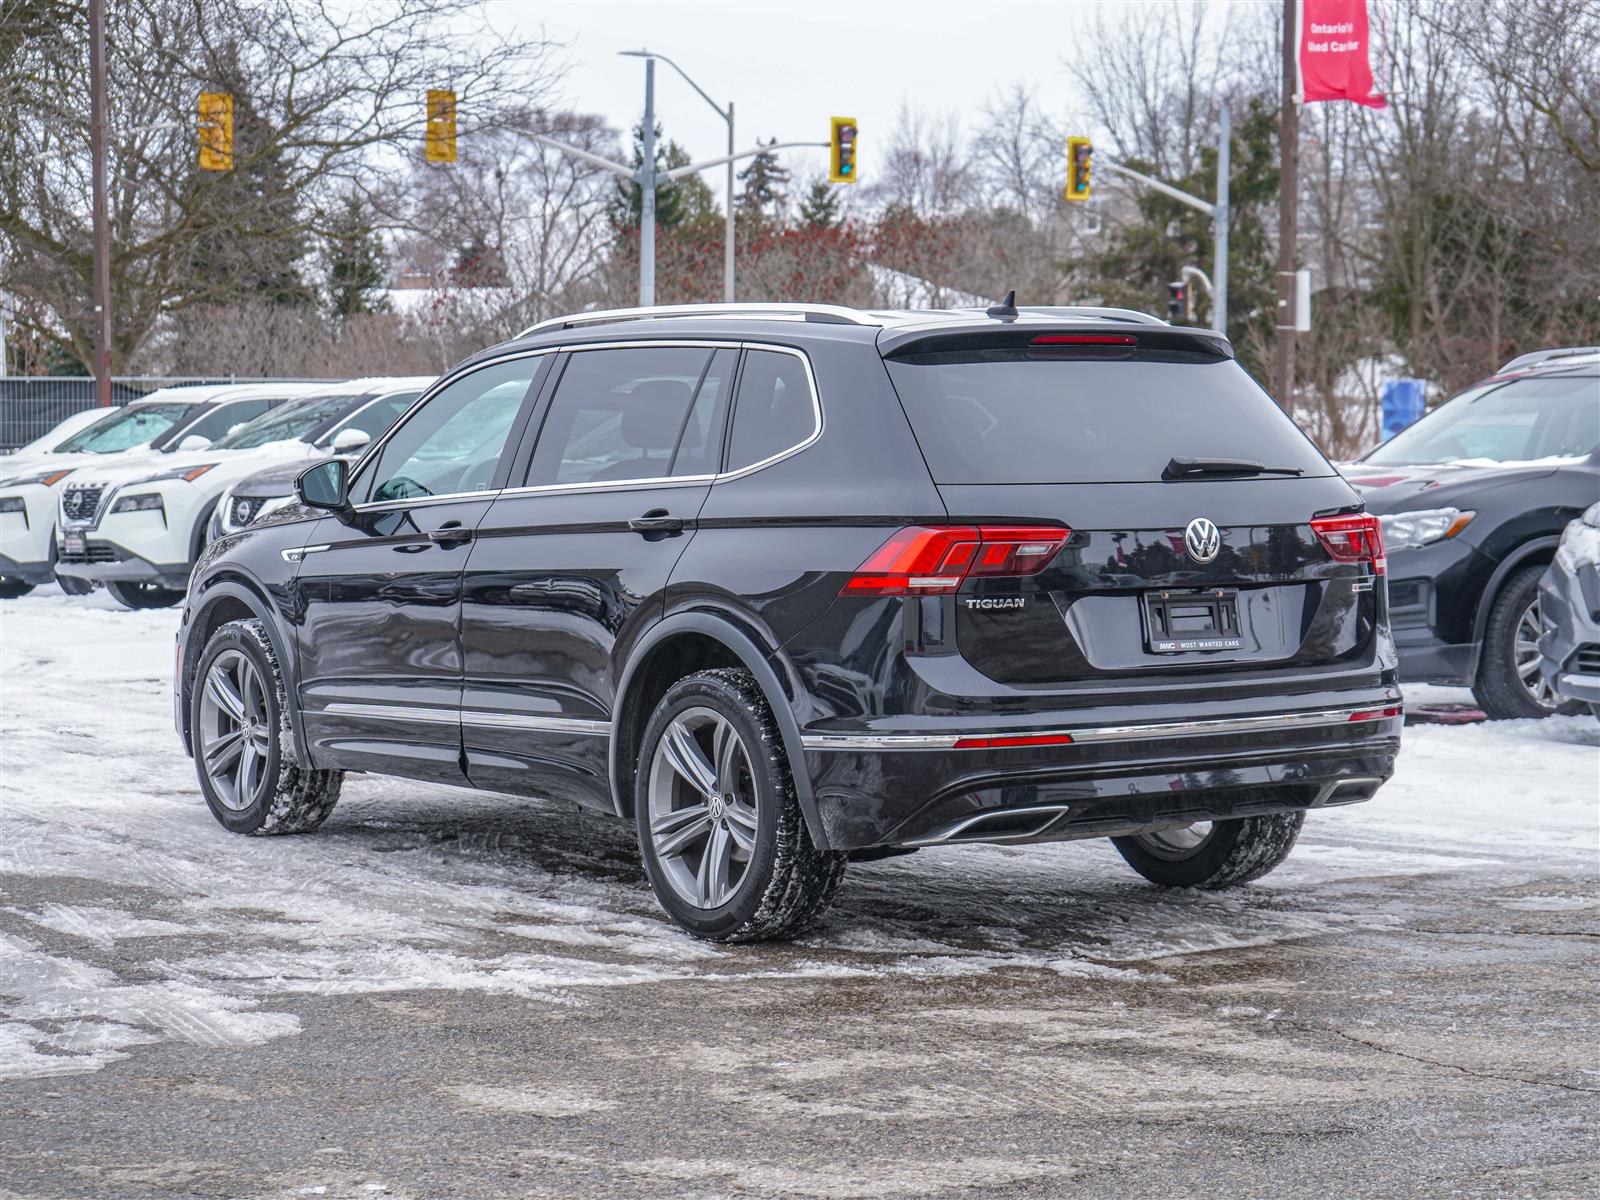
(1176, 844)
(235, 732)
(1525, 657)
(703, 812)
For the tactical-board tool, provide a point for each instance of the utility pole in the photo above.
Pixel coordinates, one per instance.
(102, 230)
(1288, 197)
(727, 228)
(1219, 293)
(647, 192)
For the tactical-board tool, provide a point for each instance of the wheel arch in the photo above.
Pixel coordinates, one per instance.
(236, 597)
(679, 645)
(1533, 552)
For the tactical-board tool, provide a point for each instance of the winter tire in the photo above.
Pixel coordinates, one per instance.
(143, 595)
(720, 829)
(1509, 683)
(243, 752)
(1213, 854)
(11, 587)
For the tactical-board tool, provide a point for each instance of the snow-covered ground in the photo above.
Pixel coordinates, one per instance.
(106, 845)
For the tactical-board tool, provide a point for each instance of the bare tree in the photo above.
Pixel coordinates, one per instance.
(925, 166)
(328, 97)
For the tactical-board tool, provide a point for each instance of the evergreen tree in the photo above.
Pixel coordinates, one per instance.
(260, 228)
(819, 208)
(357, 263)
(764, 181)
(687, 201)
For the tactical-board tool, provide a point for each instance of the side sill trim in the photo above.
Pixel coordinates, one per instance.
(452, 716)
(1103, 733)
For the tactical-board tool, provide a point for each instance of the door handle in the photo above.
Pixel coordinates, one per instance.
(657, 520)
(451, 533)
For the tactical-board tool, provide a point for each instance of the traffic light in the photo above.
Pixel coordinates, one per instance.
(440, 144)
(1178, 302)
(842, 151)
(1079, 151)
(216, 131)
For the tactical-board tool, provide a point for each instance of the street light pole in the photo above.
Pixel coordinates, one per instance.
(647, 192)
(102, 231)
(1219, 294)
(727, 236)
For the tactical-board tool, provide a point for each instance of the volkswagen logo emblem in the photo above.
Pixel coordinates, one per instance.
(1202, 540)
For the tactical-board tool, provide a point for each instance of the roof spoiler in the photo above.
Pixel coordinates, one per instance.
(991, 335)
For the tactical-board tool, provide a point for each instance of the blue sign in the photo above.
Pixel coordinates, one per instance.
(1403, 404)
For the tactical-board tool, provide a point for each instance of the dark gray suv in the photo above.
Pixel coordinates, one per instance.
(789, 584)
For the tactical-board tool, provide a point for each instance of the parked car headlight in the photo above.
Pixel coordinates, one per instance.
(12, 504)
(1408, 529)
(147, 502)
(48, 478)
(1580, 541)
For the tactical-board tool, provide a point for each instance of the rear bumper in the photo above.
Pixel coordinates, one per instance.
(1109, 780)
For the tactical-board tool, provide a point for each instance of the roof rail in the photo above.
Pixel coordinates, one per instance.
(832, 314)
(1539, 356)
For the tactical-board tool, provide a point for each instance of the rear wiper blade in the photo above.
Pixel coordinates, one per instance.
(1184, 467)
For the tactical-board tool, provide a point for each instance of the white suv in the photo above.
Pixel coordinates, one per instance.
(153, 428)
(137, 529)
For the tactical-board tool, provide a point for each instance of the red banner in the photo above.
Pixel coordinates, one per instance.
(1334, 59)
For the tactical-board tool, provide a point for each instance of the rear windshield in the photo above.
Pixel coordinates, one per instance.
(137, 425)
(1010, 419)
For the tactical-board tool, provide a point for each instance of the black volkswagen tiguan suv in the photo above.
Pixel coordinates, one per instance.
(789, 584)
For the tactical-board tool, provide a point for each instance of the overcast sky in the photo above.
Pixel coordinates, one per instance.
(790, 66)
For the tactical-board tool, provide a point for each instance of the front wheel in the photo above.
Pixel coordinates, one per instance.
(144, 595)
(1509, 683)
(11, 587)
(238, 722)
(1213, 854)
(720, 829)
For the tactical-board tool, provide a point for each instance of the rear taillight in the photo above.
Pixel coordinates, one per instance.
(1376, 714)
(998, 742)
(1353, 539)
(1084, 339)
(928, 560)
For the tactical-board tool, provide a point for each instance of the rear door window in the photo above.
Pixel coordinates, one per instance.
(775, 410)
(1006, 418)
(621, 414)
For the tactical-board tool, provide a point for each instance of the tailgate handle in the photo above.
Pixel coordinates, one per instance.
(657, 520)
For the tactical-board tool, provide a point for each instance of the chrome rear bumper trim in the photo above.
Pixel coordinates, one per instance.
(1093, 734)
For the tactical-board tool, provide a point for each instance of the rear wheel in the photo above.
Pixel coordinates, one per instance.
(720, 828)
(11, 587)
(144, 595)
(1509, 683)
(1213, 854)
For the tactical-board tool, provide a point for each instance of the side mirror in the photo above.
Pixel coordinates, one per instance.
(326, 485)
(194, 442)
(350, 439)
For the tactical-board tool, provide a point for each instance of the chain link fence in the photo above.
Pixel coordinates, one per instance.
(32, 405)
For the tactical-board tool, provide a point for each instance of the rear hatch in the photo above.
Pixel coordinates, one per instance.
(1189, 494)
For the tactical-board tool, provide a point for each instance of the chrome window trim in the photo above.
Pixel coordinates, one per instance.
(1091, 735)
(819, 422)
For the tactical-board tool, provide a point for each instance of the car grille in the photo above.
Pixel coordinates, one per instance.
(93, 552)
(1587, 660)
(82, 502)
(243, 510)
